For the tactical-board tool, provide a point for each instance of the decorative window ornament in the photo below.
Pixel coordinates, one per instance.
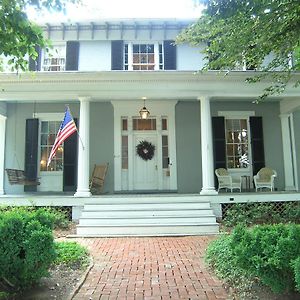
(145, 150)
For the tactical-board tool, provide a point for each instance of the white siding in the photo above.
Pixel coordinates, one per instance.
(189, 58)
(95, 56)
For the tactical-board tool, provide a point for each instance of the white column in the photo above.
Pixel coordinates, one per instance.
(208, 187)
(287, 153)
(83, 189)
(2, 149)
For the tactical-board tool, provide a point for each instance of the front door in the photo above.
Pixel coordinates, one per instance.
(145, 172)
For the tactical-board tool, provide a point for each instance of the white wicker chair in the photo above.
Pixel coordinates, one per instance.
(226, 181)
(265, 179)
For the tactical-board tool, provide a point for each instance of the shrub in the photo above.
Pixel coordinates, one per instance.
(262, 213)
(51, 217)
(267, 252)
(220, 257)
(296, 268)
(26, 246)
(71, 253)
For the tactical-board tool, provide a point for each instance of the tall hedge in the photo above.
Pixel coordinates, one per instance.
(26, 247)
(270, 253)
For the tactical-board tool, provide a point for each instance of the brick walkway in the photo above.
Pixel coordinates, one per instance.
(149, 269)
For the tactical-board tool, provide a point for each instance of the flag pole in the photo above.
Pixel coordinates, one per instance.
(67, 106)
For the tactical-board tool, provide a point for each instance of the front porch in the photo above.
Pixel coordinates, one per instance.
(146, 214)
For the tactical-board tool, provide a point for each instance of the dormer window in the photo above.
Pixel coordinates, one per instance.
(143, 56)
(54, 59)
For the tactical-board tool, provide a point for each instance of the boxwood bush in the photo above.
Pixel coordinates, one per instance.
(26, 246)
(269, 252)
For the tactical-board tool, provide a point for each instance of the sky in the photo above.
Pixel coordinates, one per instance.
(108, 9)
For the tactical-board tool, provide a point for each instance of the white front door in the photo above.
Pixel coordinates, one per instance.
(145, 172)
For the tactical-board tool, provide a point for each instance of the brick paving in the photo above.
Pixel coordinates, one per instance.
(149, 268)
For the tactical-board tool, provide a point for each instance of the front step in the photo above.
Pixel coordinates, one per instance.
(147, 216)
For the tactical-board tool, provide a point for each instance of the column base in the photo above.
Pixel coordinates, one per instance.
(83, 193)
(287, 188)
(2, 192)
(208, 191)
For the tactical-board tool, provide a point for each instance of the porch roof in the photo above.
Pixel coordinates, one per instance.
(131, 85)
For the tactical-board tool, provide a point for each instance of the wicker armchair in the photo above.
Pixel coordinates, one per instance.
(226, 181)
(265, 179)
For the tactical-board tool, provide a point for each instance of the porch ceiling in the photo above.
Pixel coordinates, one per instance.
(124, 85)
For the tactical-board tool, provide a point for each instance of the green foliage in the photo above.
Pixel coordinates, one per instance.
(242, 32)
(51, 217)
(19, 36)
(296, 268)
(71, 253)
(220, 258)
(26, 247)
(268, 252)
(261, 213)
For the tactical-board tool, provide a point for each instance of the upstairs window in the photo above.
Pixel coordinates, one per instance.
(54, 59)
(143, 56)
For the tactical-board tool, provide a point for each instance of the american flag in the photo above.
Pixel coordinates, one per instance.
(67, 128)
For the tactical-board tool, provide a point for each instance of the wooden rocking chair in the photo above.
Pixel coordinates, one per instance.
(98, 177)
(18, 177)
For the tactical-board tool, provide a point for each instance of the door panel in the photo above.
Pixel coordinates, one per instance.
(145, 173)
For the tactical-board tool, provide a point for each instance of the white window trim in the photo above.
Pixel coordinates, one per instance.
(55, 44)
(130, 53)
(240, 115)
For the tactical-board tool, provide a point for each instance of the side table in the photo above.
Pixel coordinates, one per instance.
(246, 183)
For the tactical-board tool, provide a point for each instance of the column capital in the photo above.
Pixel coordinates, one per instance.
(204, 97)
(85, 98)
(284, 116)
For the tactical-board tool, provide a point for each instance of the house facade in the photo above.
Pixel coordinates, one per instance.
(106, 71)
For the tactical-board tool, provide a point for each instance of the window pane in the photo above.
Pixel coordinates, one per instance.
(124, 124)
(164, 124)
(142, 124)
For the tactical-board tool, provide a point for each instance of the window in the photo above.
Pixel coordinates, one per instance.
(144, 124)
(124, 145)
(49, 130)
(165, 151)
(237, 136)
(143, 56)
(54, 59)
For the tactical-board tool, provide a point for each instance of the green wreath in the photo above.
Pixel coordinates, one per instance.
(145, 150)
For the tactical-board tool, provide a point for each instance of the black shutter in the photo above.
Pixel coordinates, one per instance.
(31, 152)
(35, 65)
(219, 143)
(70, 162)
(117, 55)
(169, 55)
(257, 144)
(72, 56)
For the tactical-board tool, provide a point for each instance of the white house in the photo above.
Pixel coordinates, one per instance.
(106, 71)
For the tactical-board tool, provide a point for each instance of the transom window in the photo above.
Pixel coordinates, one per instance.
(49, 130)
(237, 137)
(143, 56)
(55, 59)
(144, 124)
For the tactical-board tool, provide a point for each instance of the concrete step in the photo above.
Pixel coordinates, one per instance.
(147, 230)
(142, 221)
(160, 198)
(145, 213)
(145, 206)
(147, 216)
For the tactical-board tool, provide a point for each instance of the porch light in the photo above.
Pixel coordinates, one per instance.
(144, 112)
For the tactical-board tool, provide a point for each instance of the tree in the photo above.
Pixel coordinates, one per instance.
(18, 35)
(262, 35)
